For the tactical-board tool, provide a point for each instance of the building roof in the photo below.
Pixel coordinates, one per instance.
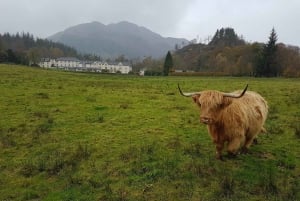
(67, 59)
(45, 59)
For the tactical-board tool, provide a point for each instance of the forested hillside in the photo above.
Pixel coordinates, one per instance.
(25, 49)
(229, 54)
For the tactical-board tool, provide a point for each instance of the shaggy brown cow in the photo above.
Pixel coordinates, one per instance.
(233, 118)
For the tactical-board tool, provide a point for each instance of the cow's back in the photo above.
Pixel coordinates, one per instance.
(256, 111)
(257, 104)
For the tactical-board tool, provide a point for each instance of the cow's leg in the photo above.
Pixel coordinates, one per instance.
(248, 143)
(219, 148)
(255, 141)
(234, 145)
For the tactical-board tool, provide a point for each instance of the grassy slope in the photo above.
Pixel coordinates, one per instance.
(71, 136)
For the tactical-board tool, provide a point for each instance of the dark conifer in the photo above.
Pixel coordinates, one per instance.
(267, 65)
(168, 64)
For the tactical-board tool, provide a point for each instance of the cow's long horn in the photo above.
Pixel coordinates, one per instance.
(231, 95)
(188, 94)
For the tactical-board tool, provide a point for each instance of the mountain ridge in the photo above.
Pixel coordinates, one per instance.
(115, 39)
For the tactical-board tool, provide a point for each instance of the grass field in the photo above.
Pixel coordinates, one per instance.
(75, 136)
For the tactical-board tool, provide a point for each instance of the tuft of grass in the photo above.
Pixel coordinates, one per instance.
(174, 143)
(55, 162)
(95, 118)
(286, 161)
(41, 114)
(130, 154)
(44, 127)
(7, 138)
(30, 195)
(42, 95)
(124, 106)
(82, 152)
(28, 168)
(193, 149)
(101, 108)
(268, 181)
(91, 99)
(227, 186)
(296, 128)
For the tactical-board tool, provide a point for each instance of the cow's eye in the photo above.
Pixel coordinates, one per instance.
(221, 105)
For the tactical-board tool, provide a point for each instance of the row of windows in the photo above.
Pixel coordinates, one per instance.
(76, 64)
(106, 67)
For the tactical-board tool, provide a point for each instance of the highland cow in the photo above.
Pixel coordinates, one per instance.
(234, 118)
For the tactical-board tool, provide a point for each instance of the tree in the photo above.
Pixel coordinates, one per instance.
(267, 65)
(33, 55)
(288, 60)
(121, 58)
(168, 65)
(226, 37)
(3, 56)
(11, 57)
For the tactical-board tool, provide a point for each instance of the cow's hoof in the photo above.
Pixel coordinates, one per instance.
(231, 155)
(219, 157)
(245, 150)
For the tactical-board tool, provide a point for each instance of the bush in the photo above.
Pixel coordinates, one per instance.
(153, 73)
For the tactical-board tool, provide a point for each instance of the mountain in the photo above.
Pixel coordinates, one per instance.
(112, 40)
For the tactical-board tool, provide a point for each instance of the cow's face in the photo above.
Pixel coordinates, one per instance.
(211, 104)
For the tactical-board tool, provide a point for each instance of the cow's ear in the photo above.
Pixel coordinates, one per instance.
(226, 101)
(196, 98)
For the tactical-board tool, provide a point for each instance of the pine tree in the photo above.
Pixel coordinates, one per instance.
(226, 37)
(267, 65)
(168, 64)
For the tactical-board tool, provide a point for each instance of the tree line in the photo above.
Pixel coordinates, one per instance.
(226, 54)
(25, 49)
(229, 54)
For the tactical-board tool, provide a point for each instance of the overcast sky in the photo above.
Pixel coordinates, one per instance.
(188, 19)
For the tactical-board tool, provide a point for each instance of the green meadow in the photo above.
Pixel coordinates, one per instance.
(80, 136)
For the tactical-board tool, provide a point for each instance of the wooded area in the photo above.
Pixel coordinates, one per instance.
(226, 54)
(229, 54)
(25, 49)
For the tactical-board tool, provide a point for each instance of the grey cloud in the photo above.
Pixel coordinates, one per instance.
(180, 18)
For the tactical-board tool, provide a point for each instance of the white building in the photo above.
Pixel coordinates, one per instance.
(74, 64)
(67, 62)
(47, 63)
